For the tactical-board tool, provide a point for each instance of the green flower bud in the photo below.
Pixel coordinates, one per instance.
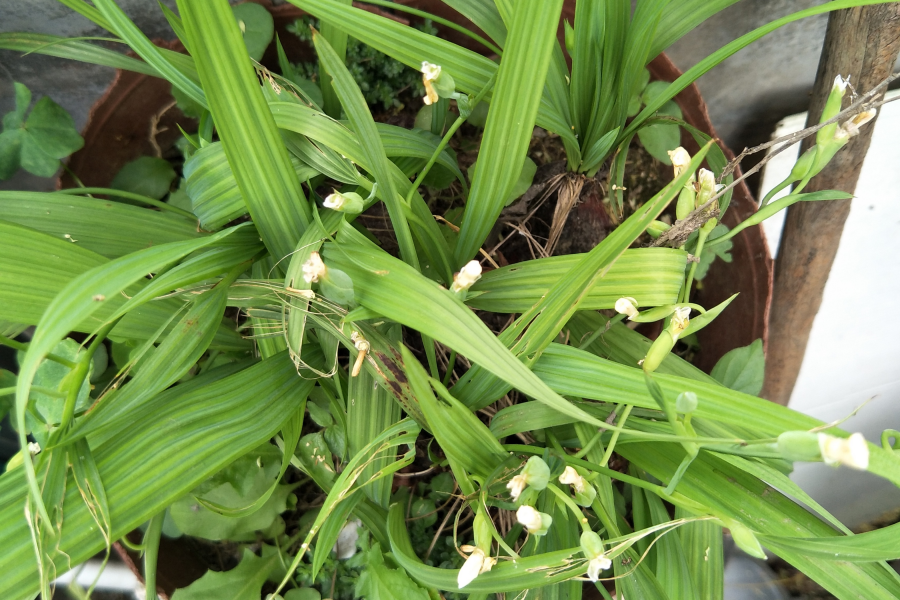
(570, 38)
(744, 538)
(804, 164)
(799, 445)
(831, 109)
(707, 182)
(686, 402)
(350, 203)
(687, 200)
(483, 531)
(592, 547)
(591, 544)
(657, 228)
(658, 351)
(337, 287)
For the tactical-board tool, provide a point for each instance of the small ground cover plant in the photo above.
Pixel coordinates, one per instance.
(238, 357)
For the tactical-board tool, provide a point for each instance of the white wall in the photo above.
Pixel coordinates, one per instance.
(854, 347)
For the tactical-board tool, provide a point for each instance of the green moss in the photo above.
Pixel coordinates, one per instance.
(383, 80)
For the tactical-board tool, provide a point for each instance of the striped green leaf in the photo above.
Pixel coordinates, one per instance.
(361, 120)
(653, 276)
(197, 430)
(108, 228)
(395, 290)
(514, 107)
(254, 149)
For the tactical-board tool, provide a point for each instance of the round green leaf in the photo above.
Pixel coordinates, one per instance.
(257, 27)
(148, 176)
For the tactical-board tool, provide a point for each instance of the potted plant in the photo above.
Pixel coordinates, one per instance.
(596, 434)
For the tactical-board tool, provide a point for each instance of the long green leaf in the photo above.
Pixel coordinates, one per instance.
(166, 364)
(122, 26)
(52, 45)
(508, 576)
(36, 267)
(729, 491)
(80, 299)
(717, 57)
(872, 546)
(702, 542)
(470, 70)
(108, 228)
(247, 130)
(539, 326)
(652, 278)
(193, 435)
(514, 108)
(321, 128)
(393, 289)
(367, 135)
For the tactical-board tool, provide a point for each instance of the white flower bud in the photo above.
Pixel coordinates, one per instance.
(852, 452)
(334, 201)
(627, 306)
(571, 477)
(592, 547)
(516, 486)
(314, 269)
(840, 84)
(680, 160)
(476, 564)
(467, 276)
(34, 448)
(530, 518)
(584, 492)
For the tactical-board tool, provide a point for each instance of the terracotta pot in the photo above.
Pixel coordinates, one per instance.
(119, 130)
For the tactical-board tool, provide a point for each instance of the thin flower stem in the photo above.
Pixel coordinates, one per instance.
(446, 140)
(576, 510)
(23, 347)
(615, 436)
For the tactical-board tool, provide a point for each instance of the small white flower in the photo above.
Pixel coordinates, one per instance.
(467, 276)
(334, 201)
(475, 565)
(841, 84)
(680, 160)
(592, 547)
(516, 486)
(706, 178)
(571, 477)
(627, 306)
(596, 565)
(34, 448)
(680, 321)
(314, 269)
(430, 73)
(530, 518)
(852, 452)
(850, 127)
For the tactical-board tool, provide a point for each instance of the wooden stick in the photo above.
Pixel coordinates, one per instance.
(863, 43)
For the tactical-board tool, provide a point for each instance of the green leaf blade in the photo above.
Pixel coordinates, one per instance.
(514, 108)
